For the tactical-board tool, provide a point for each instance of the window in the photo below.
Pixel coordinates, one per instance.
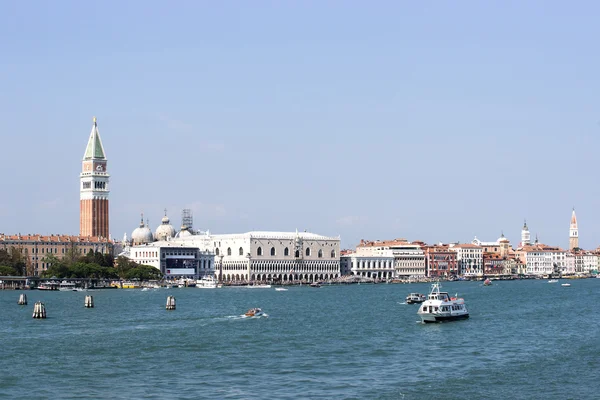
(272, 251)
(320, 253)
(297, 254)
(286, 252)
(217, 251)
(229, 251)
(241, 251)
(259, 251)
(332, 253)
(308, 251)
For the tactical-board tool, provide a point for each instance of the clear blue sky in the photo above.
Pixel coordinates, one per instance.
(432, 121)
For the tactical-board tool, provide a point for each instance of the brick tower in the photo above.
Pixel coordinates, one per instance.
(93, 188)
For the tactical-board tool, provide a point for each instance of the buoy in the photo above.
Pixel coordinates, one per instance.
(89, 301)
(170, 302)
(39, 310)
(23, 299)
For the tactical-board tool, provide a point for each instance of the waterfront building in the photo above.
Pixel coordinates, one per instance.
(93, 188)
(440, 261)
(269, 256)
(409, 258)
(493, 264)
(470, 259)
(573, 232)
(541, 259)
(581, 262)
(525, 236)
(35, 248)
(370, 266)
(174, 260)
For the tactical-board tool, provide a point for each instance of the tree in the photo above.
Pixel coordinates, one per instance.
(5, 270)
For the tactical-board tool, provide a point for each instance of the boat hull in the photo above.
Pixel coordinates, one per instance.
(442, 318)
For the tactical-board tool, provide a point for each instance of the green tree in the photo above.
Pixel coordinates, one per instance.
(143, 272)
(5, 270)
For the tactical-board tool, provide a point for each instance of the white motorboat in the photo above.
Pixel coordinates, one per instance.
(440, 307)
(207, 282)
(553, 281)
(565, 284)
(415, 298)
(254, 312)
(258, 286)
(281, 289)
(69, 287)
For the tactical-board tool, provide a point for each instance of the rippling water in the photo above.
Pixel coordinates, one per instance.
(524, 340)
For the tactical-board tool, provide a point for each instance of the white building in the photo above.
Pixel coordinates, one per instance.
(370, 266)
(174, 260)
(541, 259)
(469, 258)
(388, 259)
(270, 256)
(583, 262)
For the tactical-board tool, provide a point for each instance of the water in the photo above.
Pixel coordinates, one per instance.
(524, 340)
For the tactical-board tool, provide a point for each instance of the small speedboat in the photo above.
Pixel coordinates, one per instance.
(552, 281)
(281, 289)
(487, 282)
(565, 284)
(254, 312)
(415, 298)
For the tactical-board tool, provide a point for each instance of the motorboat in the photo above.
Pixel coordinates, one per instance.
(487, 282)
(258, 286)
(565, 284)
(281, 289)
(47, 286)
(207, 282)
(440, 307)
(553, 281)
(254, 312)
(69, 287)
(415, 298)
(315, 284)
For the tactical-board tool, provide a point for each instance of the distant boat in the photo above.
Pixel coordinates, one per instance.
(566, 284)
(281, 289)
(553, 281)
(487, 282)
(254, 312)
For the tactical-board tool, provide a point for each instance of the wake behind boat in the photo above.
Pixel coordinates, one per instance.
(440, 307)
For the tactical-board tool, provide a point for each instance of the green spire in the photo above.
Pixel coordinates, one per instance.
(94, 149)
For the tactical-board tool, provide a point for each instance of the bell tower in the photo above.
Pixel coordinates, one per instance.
(525, 235)
(573, 232)
(93, 188)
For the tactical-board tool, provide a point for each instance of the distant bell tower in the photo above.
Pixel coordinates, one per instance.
(525, 235)
(93, 188)
(573, 232)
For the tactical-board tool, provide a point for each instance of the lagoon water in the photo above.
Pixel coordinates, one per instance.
(525, 340)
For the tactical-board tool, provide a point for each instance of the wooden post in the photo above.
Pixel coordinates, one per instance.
(89, 302)
(23, 299)
(39, 310)
(170, 302)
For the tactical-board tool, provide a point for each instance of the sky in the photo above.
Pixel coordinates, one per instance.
(433, 121)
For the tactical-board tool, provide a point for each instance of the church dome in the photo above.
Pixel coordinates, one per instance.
(142, 234)
(184, 232)
(165, 230)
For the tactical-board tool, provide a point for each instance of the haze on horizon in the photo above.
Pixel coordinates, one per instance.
(433, 122)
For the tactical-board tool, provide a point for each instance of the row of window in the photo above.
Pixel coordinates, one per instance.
(286, 252)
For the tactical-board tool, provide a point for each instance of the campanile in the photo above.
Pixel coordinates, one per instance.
(93, 188)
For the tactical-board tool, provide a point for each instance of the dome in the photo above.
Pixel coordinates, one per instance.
(184, 232)
(142, 234)
(165, 230)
